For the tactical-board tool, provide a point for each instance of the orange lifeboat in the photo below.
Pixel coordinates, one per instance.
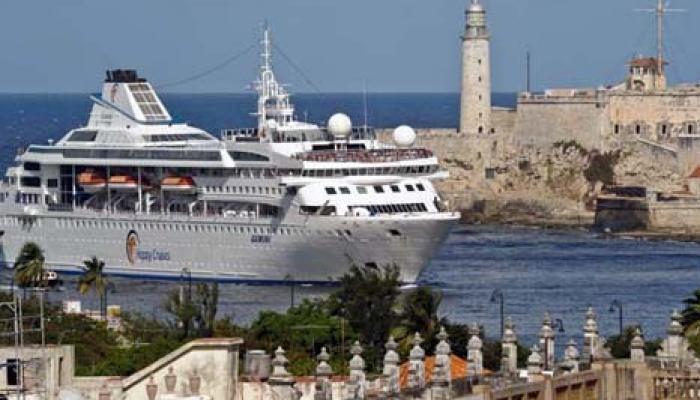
(91, 181)
(183, 184)
(126, 182)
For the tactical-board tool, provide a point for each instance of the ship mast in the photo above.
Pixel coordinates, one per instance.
(273, 99)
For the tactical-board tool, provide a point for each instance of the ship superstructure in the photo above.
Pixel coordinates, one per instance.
(284, 201)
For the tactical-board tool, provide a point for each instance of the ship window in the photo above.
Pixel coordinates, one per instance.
(83, 136)
(361, 190)
(30, 181)
(32, 166)
(420, 187)
(344, 190)
(379, 189)
(330, 190)
(394, 232)
(52, 183)
(410, 188)
(395, 188)
(247, 156)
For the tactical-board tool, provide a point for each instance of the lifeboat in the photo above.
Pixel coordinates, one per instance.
(91, 181)
(126, 182)
(183, 184)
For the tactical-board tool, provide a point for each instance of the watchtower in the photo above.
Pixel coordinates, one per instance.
(475, 107)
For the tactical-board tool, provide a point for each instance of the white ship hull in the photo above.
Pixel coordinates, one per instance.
(319, 251)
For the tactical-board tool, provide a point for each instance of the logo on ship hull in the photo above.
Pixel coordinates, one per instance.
(132, 246)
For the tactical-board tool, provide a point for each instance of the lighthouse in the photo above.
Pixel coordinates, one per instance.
(475, 103)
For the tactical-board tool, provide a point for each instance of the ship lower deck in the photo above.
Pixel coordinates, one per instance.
(318, 250)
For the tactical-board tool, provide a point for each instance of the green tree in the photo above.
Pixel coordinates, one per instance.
(93, 277)
(417, 311)
(206, 304)
(179, 304)
(366, 299)
(29, 265)
(601, 167)
(691, 314)
(619, 345)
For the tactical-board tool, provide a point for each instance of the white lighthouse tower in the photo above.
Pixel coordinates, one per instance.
(475, 108)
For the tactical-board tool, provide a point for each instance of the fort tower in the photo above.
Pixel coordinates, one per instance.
(475, 107)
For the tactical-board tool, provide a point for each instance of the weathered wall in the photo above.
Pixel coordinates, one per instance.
(543, 120)
(657, 116)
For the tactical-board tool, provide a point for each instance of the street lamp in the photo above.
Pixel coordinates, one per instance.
(289, 278)
(617, 304)
(497, 296)
(186, 272)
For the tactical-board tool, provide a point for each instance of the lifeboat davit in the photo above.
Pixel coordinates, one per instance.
(183, 184)
(126, 183)
(91, 181)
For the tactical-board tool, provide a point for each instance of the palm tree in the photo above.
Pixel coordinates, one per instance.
(29, 265)
(94, 277)
(691, 313)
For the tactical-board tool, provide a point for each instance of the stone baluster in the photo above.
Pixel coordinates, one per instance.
(392, 385)
(547, 342)
(637, 347)
(534, 365)
(442, 376)
(105, 393)
(356, 385)
(475, 358)
(151, 388)
(571, 357)
(416, 367)
(323, 377)
(281, 382)
(590, 336)
(170, 381)
(509, 348)
(195, 382)
(675, 336)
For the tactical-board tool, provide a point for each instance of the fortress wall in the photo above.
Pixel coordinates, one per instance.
(651, 111)
(545, 120)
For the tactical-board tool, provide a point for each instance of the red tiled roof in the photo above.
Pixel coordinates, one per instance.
(648, 62)
(695, 173)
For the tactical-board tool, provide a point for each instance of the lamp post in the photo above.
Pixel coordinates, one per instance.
(497, 296)
(617, 304)
(111, 288)
(289, 278)
(187, 273)
(558, 325)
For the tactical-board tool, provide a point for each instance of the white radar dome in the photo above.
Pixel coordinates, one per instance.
(339, 125)
(404, 136)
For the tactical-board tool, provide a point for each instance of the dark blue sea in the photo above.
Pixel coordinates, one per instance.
(537, 270)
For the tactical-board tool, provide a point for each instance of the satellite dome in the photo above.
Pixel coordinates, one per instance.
(339, 125)
(404, 136)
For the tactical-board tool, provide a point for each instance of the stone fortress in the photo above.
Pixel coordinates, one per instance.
(514, 159)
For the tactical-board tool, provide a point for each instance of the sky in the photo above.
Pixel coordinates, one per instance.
(338, 45)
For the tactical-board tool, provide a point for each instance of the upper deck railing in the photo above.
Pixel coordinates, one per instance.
(365, 156)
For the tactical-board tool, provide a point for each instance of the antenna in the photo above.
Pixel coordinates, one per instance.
(661, 10)
(364, 101)
(527, 66)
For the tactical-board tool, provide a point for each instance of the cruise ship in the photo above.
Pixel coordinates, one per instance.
(285, 201)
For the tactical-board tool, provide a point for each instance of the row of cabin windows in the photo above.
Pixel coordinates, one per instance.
(243, 190)
(245, 173)
(377, 189)
(34, 181)
(27, 198)
(321, 173)
(394, 208)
